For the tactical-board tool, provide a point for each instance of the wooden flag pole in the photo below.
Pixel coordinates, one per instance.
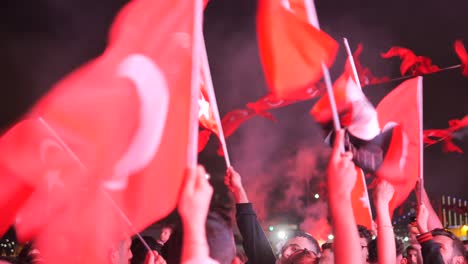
(212, 101)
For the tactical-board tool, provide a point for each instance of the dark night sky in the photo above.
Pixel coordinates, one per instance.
(42, 40)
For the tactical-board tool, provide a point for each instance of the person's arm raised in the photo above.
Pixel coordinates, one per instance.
(341, 177)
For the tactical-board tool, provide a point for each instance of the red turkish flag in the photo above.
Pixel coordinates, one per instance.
(291, 49)
(360, 201)
(402, 166)
(127, 116)
(411, 64)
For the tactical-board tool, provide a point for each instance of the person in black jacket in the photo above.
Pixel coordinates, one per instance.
(255, 243)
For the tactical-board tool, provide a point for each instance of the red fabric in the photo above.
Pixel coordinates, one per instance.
(270, 101)
(126, 117)
(347, 94)
(232, 120)
(291, 49)
(366, 77)
(20, 174)
(433, 136)
(462, 55)
(411, 64)
(401, 166)
(360, 201)
(203, 138)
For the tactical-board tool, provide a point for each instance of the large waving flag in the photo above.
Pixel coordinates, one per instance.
(291, 49)
(128, 117)
(402, 165)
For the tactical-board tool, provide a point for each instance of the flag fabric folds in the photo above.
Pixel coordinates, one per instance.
(127, 118)
(291, 49)
(402, 165)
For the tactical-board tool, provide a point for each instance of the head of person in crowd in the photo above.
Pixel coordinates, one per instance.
(220, 240)
(327, 256)
(365, 237)
(302, 256)
(165, 234)
(412, 255)
(451, 247)
(299, 241)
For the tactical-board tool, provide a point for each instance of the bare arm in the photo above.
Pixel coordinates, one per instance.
(433, 221)
(234, 183)
(386, 247)
(341, 177)
(193, 208)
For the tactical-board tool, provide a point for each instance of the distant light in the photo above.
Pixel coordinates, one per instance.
(317, 196)
(406, 239)
(271, 228)
(464, 228)
(281, 234)
(331, 237)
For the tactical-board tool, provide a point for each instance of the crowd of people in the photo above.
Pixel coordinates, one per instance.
(202, 236)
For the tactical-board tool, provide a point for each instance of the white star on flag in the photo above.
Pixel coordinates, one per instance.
(204, 108)
(365, 200)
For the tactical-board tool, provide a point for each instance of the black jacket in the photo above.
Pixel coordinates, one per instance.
(255, 243)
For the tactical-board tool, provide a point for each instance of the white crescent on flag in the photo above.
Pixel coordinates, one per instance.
(153, 92)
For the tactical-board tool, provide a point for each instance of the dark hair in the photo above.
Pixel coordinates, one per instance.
(364, 233)
(220, 239)
(458, 248)
(139, 250)
(167, 225)
(409, 248)
(27, 254)
(372, 249)
(327, 246)
(312, 240)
